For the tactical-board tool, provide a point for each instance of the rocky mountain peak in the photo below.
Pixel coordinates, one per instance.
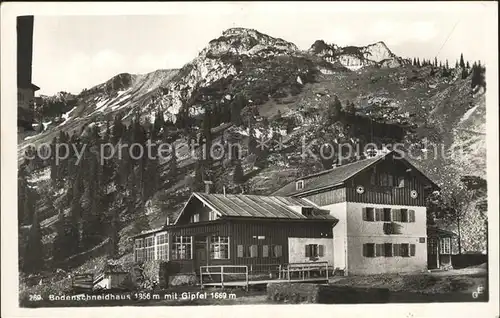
(249, 42)
(355, 57)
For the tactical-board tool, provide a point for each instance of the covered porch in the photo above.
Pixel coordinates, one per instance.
(439, 248)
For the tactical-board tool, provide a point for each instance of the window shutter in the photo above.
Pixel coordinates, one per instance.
(388, 249)
(365, 250)
(379, 250)
(396, 215)
(308, 250)
(240, 250)
(253, 251)
(321, 250)
(411, 215)
(412, 249)
(378, 214)
(396, 250)
(279, 250)
(406, 249)
(265, 251)
(365, 214)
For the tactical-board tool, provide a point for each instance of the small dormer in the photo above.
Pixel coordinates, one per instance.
(299, 185)
(307, 211)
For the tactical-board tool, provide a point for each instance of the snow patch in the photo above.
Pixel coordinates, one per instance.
(66, 116)
(299, 80)
(468, 113)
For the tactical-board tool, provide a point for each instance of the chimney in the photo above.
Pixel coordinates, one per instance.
(208, 186)
(224, 190)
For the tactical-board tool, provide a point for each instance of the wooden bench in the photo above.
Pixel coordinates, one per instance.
(304, 269)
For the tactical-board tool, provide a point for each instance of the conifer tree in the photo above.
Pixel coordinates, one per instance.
(435, 61)
(462, 63)
(334, 111)
(33, 253)
(59, 251)
(236, 108)
(350, 108)
(54, 173)
(467, 65)
(114, 229)
(238, 173)
(118, 130)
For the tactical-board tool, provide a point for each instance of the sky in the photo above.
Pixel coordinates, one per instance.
(72, 52)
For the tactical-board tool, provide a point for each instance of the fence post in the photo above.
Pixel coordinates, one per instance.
(326, 272)
(246, 274)
(279, 271)
(201, 276)
(222, 276)
(288, 272)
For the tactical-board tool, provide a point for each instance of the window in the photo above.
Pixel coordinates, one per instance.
(369, 250)
(240, 251)
(400, 183)
(387, 215)
(368, 214)
(388, 250)
(445, 245)
(314, 250)
(384, 179)
(139, 250)
(265, 251)
(219, 247)
(195, 218)
(373, 178)
(299, 185)
(278, 251)
(162, 246)
(411, 216)
(181, 247)
(149, 248)
(404, 215)
(412, 249)
(254, 252)
(212, 216)
(405, 249)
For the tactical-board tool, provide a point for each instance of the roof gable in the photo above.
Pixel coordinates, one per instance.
(338, 175)
(256, 206)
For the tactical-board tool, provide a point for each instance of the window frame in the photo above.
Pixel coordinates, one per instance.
(299, 185)
(217, 242)
(149, 248)
(139, 250)
(445, 245)
(183, 244)
(162, 249)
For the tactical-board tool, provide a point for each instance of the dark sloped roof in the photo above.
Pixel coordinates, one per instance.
(329, 177)
(256, 206)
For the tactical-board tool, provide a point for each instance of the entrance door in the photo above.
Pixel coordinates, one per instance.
(200, 252)
(432, 253)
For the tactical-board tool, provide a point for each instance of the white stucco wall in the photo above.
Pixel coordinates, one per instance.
(360, 232)
(296, 250)
(338, 210)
